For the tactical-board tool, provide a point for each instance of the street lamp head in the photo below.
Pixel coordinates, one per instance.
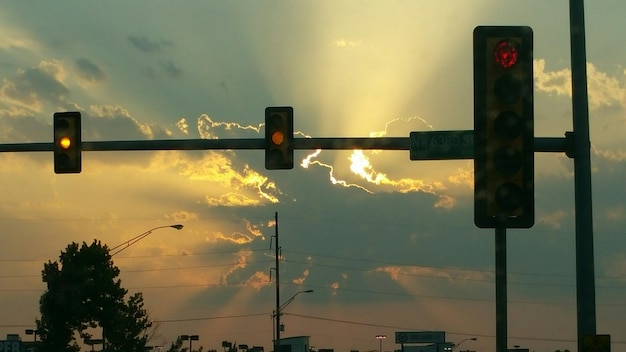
(177, 226)
(467, 339)
(308, 291)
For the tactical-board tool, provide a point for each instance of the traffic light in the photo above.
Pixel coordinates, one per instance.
(279, 138)
(503, 127)
(67, 142)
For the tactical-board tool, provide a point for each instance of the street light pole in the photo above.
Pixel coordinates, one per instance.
(279, 312)
(190, 338)
(32, 332)
(380, 339)
(122, 246)
(468, 339)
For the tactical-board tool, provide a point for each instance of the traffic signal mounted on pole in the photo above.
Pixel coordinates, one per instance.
(503, 127)
(279, 138)
(67, 142)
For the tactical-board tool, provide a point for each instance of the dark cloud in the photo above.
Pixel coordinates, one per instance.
(31, 86)
(171, 69)
(108, 122)
(89, 71)
(23, 129)
(144, 44)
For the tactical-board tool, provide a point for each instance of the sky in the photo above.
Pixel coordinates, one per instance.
(387, 244)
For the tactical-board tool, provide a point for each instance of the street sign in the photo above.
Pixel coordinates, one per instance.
(442, 145)
(421, 337)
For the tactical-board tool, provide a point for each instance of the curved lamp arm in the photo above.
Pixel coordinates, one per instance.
(284, 305)
(122, 246)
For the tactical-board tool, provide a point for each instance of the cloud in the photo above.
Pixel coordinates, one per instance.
(603, 90)
(232, 199)
(210, 129)
(309, 160)
(445, 202)
(301, 279)
(361, 166)
(416, 279)
(616, 213)
(463, 177)
(184, 216)
(247, 186)
(142, 43)
(89, 71)
(171, 69)
(612, 156)
(30, 87)
(344, 43)
(555, 82)
(554, 219)
(183, 126)
(115, 122)
(258, 280)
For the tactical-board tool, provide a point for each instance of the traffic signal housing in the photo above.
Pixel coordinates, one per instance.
(67, 142)
(503, 127)
(279, 138)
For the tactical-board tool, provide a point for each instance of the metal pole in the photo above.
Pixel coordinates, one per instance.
(542, 144)
(277, 255)
(501, 294)
(585, 277)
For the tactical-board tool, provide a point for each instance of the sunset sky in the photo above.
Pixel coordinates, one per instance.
(386, 243)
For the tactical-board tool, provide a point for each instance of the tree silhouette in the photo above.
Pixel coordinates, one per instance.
(177, 346)
(83, 292)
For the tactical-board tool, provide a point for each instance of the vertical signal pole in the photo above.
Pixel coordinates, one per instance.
(585, 276)
(501, 291)
(277, 255)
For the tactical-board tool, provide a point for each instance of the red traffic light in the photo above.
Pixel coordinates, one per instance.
(506, 53)
(503, 127)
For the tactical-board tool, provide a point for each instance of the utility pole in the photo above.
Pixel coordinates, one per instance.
(277, 311)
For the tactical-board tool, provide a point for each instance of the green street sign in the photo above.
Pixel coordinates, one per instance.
(442, 145)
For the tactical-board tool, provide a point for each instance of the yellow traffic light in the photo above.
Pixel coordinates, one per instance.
(67, 142)
(279, 138)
